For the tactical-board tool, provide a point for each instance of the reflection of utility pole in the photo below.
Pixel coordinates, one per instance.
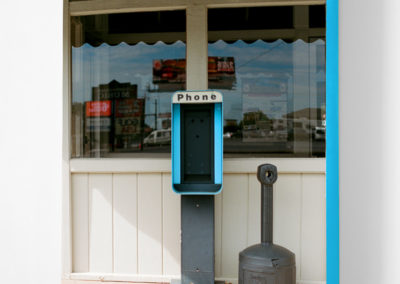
(152, 114)
(155, 114)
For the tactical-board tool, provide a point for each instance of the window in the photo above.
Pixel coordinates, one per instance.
(124, 69)
(268, 62)
(270, 66)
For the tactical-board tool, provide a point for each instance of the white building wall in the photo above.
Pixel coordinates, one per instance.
(30, 141)
(126, 226)
(369, 61)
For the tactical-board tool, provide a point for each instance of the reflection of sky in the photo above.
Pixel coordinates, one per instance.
(261, 69)
(263, 66)
(92, 66)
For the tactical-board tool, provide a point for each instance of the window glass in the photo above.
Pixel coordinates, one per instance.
(273, 84)
(124, 69)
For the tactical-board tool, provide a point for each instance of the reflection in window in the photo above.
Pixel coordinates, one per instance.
(122, 96)
(274, 96)
(122, 80)
(277, 101)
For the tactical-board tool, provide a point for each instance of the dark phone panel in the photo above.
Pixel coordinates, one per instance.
(197, 143)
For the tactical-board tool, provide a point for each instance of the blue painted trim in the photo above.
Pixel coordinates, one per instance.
(218, 150)
(176, 149)
(332, 142)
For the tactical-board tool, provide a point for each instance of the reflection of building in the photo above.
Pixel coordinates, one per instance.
(114, 118)
(165, 120)
(77, 120)
(309, 113)
(114, 90)
(128, 118)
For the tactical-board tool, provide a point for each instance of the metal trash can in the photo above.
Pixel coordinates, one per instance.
(267, 263)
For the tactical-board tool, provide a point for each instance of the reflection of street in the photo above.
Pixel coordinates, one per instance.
(236, 145)
(158, 137)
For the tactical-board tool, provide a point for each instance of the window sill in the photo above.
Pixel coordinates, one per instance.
(163, 165)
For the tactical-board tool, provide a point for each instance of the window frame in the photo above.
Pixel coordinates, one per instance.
(197, 36)
(197, 78)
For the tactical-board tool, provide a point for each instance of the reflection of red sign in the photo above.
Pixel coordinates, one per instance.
(98, 108)
(174, 70)
(129, 107)
(221, 65)
(169, 70)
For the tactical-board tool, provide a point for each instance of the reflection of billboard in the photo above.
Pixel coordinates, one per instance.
(98, 124)
(220, 67)
(127, 125)
(129, 107)
(221, 72)
(169, 71)
(127, 128)
(98, 108)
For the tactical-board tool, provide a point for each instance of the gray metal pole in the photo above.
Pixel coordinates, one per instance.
(267, 175)
(266, 213)
(197, 246)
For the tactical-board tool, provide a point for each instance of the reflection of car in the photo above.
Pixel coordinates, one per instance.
(158, 137)
(319, 133)
(227, 135)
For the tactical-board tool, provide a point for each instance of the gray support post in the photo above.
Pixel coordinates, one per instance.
(197, 247)
(197, 211)
(267, 175)
(266, 213)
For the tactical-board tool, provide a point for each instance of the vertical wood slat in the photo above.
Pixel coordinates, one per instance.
(287, 215)
(80, 223)
(171, 228)
(100, 223)
(313, 237)
(218, 233)
(125, 223)
(254, 215)
(149, 224)
(234, 223)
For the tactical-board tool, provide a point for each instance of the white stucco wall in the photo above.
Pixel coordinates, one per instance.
(30, 141)
(369, 141)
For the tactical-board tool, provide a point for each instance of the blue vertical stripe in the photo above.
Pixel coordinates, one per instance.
(218, 150)
(332, 142)
(176, 149)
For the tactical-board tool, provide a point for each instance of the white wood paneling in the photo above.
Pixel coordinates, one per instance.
(218, 233)
(135, 224)
(287, 215)
(313, 237)
(100, 223)
(234, 222)
(80, 223)
(125, 223)
(149, 224)
(171, 228)
(254, 214)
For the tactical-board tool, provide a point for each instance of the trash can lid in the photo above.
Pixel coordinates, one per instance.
(268, 255)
